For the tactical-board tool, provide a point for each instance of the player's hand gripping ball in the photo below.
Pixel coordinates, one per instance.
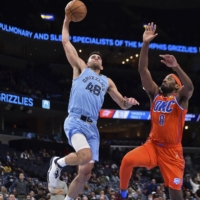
(76, 10)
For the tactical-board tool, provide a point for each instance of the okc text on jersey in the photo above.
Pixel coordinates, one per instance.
(163, 106)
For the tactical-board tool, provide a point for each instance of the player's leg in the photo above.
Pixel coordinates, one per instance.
(143, 156)
(74, 128)
(82, 156)
(175, 194)
(171, 165)
(84, 173)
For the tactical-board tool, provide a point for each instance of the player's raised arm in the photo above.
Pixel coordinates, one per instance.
(71, 53)
(123, 102)
(149, 85)
(187, 90)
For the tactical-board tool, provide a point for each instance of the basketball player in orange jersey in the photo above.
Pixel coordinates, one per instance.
(169, 105)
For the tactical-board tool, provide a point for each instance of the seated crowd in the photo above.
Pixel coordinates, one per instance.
(30, 168)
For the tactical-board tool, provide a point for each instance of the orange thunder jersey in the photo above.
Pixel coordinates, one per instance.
(167, 119)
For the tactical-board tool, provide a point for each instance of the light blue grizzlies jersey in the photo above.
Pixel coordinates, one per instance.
(87, 94)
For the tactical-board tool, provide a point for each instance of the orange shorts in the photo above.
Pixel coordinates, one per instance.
(169, 159)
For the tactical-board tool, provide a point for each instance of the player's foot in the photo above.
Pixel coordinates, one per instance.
(123, 193)
(54, 172)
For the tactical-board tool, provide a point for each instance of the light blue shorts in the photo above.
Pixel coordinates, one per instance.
(73, 124)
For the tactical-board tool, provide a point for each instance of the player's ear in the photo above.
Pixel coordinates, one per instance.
(177, 87)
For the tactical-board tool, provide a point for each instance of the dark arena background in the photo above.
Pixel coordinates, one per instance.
(36, 78)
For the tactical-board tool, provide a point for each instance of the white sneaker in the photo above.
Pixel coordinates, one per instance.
(53, 172)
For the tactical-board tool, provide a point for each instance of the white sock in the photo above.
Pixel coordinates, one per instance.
(68, 198)
(62, 162)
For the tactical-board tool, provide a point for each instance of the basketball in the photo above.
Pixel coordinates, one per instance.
(76, 10)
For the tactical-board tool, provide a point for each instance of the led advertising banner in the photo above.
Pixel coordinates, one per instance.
(97, 41)
(138, 115)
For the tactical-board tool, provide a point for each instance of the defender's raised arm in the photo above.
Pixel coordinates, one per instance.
(149, 85)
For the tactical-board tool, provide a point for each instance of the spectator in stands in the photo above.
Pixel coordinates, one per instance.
(7, 158)
(32, 194)
(52, 153)
(65, 177)
(45, 154)
(1, 196)
(188, 162)
(102, 192)
(140, 195)
(194, 184)
(78, 197)
(15, 157)
(4, 192)
(84, 198)
(115, 177)
(1, 169)
(102, 197)
(40, 194)
(109, 191)
(198, 177)
(197, 194)
(69, 178)
(102, 179)
(15, 192)
(30, 184)
(12, 197)
(31, 155)
(186, 182)
(131, 192)
(187, 195)
(58, 192)
(113, 197)
(86, 189)
(25, 155)
(38, 161)
(92, 195)
(94, 179)
(159, 191)
(152, 187)
(101, 169)
(21, 187)
(17, 169)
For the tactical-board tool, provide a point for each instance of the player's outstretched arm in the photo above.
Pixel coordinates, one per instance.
(187, 90)
(123, 102)
(147, 82)
(71, 53)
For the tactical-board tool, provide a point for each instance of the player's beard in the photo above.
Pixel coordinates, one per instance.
(166, 90)
(95, 66)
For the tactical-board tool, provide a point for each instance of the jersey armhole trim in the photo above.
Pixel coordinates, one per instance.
(79, 75)
(178, 103)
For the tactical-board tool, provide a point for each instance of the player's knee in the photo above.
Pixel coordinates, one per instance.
(127, 160)
(84, 177)
(84, 156)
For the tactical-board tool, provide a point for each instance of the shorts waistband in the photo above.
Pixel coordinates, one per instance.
(160, 144)
(87, 119)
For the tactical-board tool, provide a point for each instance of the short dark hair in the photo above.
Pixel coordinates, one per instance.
(95, 52)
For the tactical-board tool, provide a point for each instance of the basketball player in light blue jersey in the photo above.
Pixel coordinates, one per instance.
(86, 99)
